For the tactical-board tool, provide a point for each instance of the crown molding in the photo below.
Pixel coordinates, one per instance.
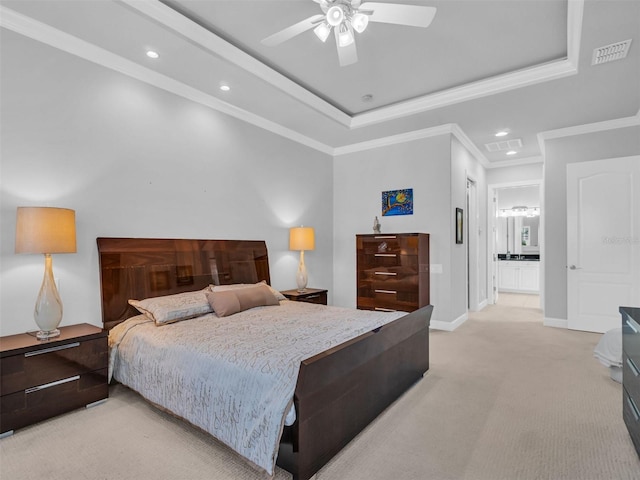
(576, 130)
(471, 91)
(68, 43)
(516, 162)
(446, 129)
(394, 139)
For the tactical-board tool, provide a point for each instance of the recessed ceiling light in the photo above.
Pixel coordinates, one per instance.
(225, 88)
(511, 152)
(502, 133)
(367, 98)
(152, 54)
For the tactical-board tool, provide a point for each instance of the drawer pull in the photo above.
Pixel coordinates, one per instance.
(386, 273)
(633, 367)
(380, 309)
(385, 255)
(634, 409)
(384, 236)
(630, 323)
(52, 349)
(317, 295)
(52, 384)
(386, 291)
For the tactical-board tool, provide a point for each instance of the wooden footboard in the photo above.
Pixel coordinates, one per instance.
(340, 391)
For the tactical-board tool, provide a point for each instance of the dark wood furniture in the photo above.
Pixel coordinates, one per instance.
(41, 379)
(338, 392)
(631, 372)
(392, 271)
(310, 295)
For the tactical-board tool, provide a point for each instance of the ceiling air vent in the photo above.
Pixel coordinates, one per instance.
(513, 144)
(609, 53)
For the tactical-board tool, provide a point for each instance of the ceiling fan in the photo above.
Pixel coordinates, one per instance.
(346, 16)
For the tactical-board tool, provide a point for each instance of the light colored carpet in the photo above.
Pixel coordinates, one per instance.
(505, 399)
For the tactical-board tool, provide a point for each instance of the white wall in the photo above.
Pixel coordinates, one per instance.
(136, 161)
(464, 166)
(513, 174)
(559, 152)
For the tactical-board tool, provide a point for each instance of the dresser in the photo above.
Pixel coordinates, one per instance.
(41, 379)
(392, 271)
(631, 372)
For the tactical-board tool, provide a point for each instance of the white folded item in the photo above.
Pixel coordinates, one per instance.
(609, 348)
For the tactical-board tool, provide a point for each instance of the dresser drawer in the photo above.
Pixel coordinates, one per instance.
(388, 244)
(631, 337)
(47, 400)
(631, 416)
(46, 365)
(631, 376)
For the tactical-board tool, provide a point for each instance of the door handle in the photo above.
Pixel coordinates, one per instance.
(573, 267)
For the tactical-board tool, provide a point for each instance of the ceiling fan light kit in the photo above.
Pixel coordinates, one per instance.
(347, 16)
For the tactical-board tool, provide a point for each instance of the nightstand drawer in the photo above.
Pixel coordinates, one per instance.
(631, 376)
(319, 298)
(310, 295)
(47, 400)
(49, 364)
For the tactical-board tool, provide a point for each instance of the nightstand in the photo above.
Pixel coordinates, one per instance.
(42, 379)
(310, 295)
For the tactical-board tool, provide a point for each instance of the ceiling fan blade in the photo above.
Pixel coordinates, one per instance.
(346, 55)
(292, 31)
(411, 15)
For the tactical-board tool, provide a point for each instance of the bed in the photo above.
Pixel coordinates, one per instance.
(335, 393)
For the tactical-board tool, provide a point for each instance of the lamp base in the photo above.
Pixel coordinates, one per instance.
(47, 334)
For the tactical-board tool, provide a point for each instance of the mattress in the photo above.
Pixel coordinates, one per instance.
(234, 377)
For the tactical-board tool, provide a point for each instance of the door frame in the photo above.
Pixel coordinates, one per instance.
(492, 226)
(473, 245)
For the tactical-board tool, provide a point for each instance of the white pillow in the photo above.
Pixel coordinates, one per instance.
(173, 308)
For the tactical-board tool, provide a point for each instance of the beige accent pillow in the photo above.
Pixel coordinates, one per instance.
(173, 308)
(237, 286)
(229, 301)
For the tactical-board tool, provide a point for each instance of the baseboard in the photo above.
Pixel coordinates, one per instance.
(555, 322)
(449, 326)
(482, 305)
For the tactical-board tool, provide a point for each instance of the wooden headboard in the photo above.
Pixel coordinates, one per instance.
(150, 267)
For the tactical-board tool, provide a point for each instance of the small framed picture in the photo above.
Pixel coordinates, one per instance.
(459, 225)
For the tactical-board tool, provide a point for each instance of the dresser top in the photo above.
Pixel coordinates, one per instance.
(633, 312)
(16, 344)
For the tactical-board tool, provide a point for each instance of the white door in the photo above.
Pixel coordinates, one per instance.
(603, 241)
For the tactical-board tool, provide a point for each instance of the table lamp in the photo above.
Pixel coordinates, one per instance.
(301, 238)
(46, 230)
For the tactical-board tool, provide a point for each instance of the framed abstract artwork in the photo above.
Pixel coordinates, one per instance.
(459, 225)
(397, 202)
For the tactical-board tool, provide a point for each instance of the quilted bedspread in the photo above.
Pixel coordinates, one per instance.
(234, 377)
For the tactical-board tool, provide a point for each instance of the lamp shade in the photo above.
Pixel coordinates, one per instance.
(302, 238)
(45, 230)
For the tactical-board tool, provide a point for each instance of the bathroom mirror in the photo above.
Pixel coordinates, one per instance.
(518, 235)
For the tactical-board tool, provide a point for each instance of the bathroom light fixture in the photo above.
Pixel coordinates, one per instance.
(301, 238)
(519, 211)
(46, 230)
